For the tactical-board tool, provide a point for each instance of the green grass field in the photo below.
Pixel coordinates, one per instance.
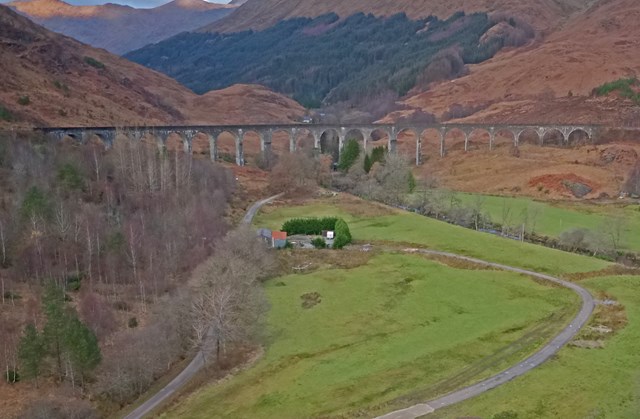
(552, 219)
(402, 329)
(393, 328)
(578, 383)
(400, 226)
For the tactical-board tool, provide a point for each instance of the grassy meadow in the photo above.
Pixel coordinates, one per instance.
(578, 383)
(551, 219)
(392, 331)
(384, 224)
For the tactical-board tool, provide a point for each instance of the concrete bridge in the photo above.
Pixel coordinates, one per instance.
(317, 131)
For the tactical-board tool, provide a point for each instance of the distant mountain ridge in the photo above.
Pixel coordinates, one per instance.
(118, 28)
(261, 14)
(48, 79)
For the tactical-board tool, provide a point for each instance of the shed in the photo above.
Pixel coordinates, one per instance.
(279, 239)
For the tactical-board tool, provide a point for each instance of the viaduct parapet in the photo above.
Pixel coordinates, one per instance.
(107, 135)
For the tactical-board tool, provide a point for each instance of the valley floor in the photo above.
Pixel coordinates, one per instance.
(383, 331)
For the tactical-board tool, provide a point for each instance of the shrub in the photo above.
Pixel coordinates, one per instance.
(319, 243)
(36, 204)
(132, 323)
(24, 100)
(343, 235)
(73, 282)
(122, 306)
(94, 63)
(70, 177)
(309, 226)
(5, 115)
(624, 87)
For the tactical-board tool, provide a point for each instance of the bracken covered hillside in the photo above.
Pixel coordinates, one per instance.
(49, 79)
(553, 79)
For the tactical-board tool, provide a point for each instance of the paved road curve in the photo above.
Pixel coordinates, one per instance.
(523, 367)
(198, 361)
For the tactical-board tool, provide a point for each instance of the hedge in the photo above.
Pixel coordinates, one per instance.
(309, 226)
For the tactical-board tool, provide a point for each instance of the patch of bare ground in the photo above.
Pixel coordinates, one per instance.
(606, 321)
(612, 270)
(301, 261)
(459, 263)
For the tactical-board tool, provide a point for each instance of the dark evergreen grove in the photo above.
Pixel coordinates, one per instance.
(325, 60)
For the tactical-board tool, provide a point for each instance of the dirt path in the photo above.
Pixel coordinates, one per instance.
(522, 367)
(199, 359)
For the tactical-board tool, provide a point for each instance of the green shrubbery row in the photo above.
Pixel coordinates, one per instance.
(309, 226)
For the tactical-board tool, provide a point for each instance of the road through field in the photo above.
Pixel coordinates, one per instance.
(522, 367)
(199, 359)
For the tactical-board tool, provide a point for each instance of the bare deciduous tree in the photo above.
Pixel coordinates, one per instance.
(231, 302)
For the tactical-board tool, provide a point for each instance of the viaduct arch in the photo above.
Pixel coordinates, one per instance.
(265, 133)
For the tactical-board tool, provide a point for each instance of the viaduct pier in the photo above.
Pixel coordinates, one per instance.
(568, 134)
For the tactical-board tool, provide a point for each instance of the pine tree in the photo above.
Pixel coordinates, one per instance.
(81, 346)
(350, 153)
(367, 163)
(31, 351)
(54, 328)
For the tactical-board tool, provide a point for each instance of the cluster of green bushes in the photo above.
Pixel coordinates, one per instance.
(94, 63)
(624, 87)
(341, 59)
(309, 226)
(351, 152)
(343, 235)
(376, 156)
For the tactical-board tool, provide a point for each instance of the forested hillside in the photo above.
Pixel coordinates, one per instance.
(91, 228)
(327, 60)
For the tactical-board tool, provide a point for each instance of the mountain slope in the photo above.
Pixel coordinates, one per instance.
(260, 14)
(552, 81)
(118, 28)
(341, 60)
(50, 79)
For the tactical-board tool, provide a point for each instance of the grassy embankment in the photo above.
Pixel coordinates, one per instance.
(551, 219)
(397, 329)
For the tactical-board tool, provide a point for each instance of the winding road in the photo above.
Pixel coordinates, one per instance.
(522, 367)
(199, 359)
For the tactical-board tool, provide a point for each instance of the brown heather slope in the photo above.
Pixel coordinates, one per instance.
(119, 28)
(260, 14)
(534, 84)
(64, 89)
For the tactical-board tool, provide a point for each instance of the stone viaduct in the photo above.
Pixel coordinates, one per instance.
(317, 131)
